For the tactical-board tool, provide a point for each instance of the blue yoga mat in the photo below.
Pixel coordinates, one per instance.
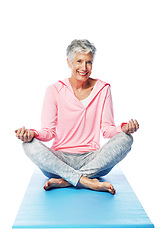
(81, 208)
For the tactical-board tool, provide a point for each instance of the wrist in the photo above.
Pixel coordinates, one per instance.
(36, 134)
(124, 123)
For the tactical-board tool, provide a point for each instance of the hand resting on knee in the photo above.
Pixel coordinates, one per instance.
(130, 127)
(24, 134)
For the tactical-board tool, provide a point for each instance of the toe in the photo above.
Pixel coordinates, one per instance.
(113, 192)
(46, 185)
(111, 186)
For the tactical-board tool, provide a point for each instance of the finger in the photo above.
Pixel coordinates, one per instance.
(18, 133)
(25, 136)
(22, 138)
(129, 127)
(29, 136)
(22, 131)
(137, 125)
(133, 126)
(22, 134)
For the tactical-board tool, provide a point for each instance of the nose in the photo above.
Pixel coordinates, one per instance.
(84, 66)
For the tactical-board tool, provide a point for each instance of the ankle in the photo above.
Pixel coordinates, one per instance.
(89, 183)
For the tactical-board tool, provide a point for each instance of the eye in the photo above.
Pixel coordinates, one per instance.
(79, 61)
(90, 62)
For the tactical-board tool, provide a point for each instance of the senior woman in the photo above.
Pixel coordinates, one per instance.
(74, 112)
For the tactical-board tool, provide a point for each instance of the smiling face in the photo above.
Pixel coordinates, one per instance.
(81, 66)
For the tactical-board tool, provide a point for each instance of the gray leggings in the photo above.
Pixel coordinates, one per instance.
(71, 166)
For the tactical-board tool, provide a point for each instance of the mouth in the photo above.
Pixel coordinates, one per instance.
(82, 73)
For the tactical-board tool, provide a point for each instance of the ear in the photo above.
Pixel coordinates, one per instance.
(69, 64)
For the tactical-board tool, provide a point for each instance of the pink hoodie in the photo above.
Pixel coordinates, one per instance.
(75, 128)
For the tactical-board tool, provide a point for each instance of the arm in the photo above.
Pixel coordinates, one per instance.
(108, 127)
(107, 122)
(48, 120)
(48, 116)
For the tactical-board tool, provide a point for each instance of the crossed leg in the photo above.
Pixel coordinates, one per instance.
(105, 158)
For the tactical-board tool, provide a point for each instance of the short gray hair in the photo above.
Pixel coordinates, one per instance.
(80, 46)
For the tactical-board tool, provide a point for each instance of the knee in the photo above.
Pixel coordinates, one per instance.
(29, 147)
(127, 138)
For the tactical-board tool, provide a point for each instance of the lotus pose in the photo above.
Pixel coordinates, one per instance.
(75, 111)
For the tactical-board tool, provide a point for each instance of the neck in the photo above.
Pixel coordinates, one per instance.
(78, 85)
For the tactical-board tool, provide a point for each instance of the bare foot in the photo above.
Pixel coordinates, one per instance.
(56, 183)
(96, 185)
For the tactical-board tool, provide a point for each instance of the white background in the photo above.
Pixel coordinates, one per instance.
(33, 41)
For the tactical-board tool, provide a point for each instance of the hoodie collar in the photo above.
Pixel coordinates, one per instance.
(100, 84)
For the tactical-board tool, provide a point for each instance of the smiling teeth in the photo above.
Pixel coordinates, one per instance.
(83, 74)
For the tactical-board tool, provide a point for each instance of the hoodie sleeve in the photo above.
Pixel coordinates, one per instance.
(48, 116)
(108, 127)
